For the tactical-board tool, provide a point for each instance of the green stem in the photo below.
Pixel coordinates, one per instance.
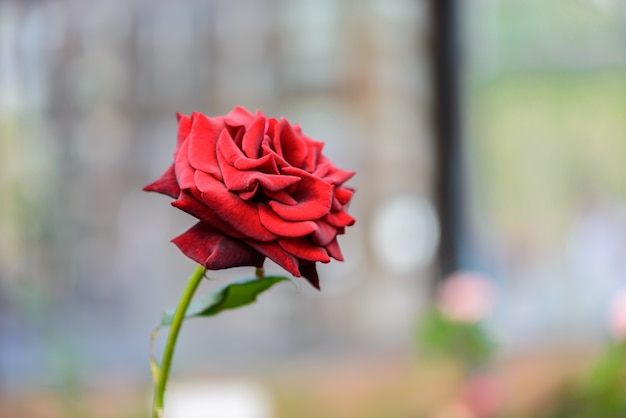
(168, 352)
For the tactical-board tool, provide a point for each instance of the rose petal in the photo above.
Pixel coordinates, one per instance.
(201, 152)
(165, 184)
(184, 171)
(314, 197)
(239, 116)
(214, 250)
(268, 150)
(281, 227)
(294, 149)
(184, 127)
(339, 219)
(251, 142)
(235, 179)
(343, 194)
(309, 272)
(324, 233)
(242, 215)
(334, 251)
(249, 194)
(187, 202)
(337, 176)
(281, 196)
(278, 255)
(276, 143)
(315, 150)
(265, 164)
(304, 249)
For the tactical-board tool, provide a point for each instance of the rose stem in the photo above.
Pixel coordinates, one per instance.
(168, 352)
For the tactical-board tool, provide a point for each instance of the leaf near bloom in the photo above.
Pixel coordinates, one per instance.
(231, 296)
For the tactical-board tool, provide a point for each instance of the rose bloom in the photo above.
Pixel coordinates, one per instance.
(259, 188)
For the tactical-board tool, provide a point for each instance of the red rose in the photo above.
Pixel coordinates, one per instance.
(259, 188)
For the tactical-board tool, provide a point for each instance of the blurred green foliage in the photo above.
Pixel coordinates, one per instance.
(598, 393)
(465, 342)
(544, 145)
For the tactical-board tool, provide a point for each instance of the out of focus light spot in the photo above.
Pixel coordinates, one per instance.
(405, 234)
(224, 399)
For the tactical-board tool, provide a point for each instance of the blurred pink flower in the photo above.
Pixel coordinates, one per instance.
(617, 315)
(466, 297)
(483, 395)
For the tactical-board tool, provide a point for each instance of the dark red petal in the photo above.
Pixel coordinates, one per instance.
(184, 171)
(268, 150)
(334, 251)
(281, 196)
(165, 184)
(184, 127)
(343, 194)
(275, 253)
(294, 149)
(314, 197)
(309, 272)
(281, 227)
(338, 176)
(214, 250)
(201, 152)
(304, 249)
(242, 215)
(187, 202)
(265, 164)
(235, 179)
(324, 233)
(315, 150)
(276, 143)
(339, 219)
(239, 116)
(250, 193)
(251, 143)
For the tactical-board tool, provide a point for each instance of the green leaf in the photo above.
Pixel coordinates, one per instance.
(231, 296)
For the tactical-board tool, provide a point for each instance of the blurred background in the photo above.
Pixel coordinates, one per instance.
(489, 137)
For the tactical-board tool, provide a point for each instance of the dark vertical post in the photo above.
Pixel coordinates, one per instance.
(447, 130)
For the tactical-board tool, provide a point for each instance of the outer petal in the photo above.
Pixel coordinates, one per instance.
(214, 250)
(165, 184)
(184, 171)
(184, 127)
(330, 172)
(343, 194)
(304, 249)
(189, 203)
(334, 251)
(324, 233)
(309, 272)
(239, 116)
(339, 219)
(275, 253)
